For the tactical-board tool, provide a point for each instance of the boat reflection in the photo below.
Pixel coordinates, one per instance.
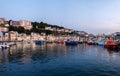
(30, 53)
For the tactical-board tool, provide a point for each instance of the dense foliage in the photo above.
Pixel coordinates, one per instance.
(42, 25)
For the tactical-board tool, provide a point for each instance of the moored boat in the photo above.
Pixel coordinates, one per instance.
(39, 42)
(74, 42)
(4, 45)
(102, 43)
(90, 42)
(68, 42)
(110, 44)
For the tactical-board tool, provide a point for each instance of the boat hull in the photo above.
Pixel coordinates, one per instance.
(111, 46)
(90, 43)
(101, 43)
(39, 42)
(71, 43)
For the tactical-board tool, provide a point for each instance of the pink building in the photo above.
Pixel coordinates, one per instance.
(15, 23)
(26, 24)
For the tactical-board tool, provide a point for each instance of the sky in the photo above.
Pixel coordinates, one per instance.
(92, 16)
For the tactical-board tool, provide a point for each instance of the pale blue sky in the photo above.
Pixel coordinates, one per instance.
(92, 16)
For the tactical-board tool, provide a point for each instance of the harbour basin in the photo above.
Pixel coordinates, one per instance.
(59, 60)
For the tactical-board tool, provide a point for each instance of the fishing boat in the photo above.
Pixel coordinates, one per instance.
(110, 44)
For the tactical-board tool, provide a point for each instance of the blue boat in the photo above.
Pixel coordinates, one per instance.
(74, 43)
(39, 42)
(68, 42)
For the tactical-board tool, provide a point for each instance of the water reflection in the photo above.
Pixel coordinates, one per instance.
(25, 53)
(79, 58)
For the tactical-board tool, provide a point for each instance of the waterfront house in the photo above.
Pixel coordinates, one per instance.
(13, 36)
(3, 37)
(50, 37)
(28, 37)
(35, 36)
(19, 38)
(3, 31)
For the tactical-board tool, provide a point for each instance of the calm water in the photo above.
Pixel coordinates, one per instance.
(59, 60)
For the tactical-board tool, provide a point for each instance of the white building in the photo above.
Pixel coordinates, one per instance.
(48, 28)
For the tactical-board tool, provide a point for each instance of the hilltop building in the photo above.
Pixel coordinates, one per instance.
(23, 23)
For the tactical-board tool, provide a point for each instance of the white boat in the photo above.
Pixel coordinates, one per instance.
(4, 45)
(90, 42)
(102, 42)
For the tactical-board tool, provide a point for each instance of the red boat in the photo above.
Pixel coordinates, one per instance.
(90, 42)
(111, 44)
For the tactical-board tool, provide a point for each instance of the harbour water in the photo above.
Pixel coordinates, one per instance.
(59, 60)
